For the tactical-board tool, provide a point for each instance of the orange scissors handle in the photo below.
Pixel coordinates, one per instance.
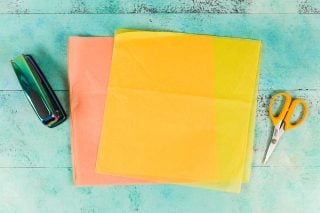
(287, 101)
(288, 124)
(287, 111)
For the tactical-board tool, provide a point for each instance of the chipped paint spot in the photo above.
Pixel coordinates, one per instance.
(135, 198)
(86, 190)
(79, 7)
(307, 7)
(140, 7)
(219, 6)
(16, 7)
(197, 6)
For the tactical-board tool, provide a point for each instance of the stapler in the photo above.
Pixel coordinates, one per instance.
(38, 91)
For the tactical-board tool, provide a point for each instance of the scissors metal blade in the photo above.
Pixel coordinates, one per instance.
(277, 133)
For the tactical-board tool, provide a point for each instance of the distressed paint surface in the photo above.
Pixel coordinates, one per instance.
(309, 6)
(151, 6)
(290, 42)
(35, 162)
(51, 147)
(164, 6)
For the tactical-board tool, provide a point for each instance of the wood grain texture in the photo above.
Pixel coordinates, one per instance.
(309, 6)
(35, 162)
(272, 189)
(49, 148)
(154, 6)
(285, 52)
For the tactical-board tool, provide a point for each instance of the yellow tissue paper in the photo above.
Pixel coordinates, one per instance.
(179, 109)
(245, 58)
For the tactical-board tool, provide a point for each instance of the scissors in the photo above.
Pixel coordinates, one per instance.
(282, 122)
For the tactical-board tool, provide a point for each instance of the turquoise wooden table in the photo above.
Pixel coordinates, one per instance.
(35, 162)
